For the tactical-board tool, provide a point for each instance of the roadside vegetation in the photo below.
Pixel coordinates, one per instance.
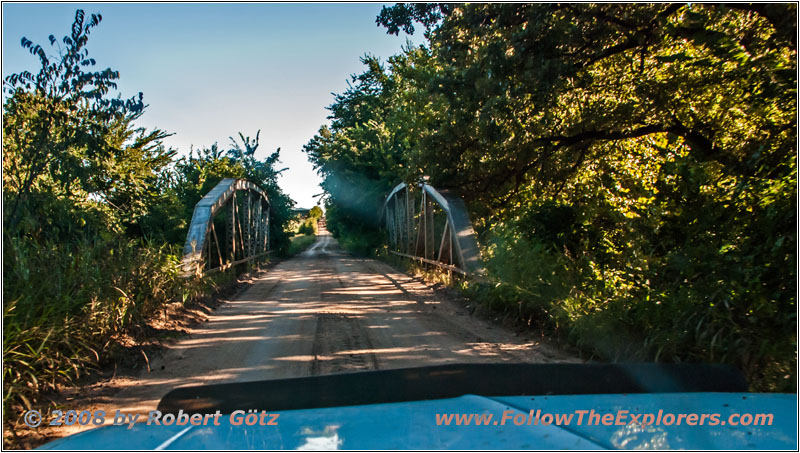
(309, 224)
(630, 168)
(300, 243)
(304, 230)
(95, 216)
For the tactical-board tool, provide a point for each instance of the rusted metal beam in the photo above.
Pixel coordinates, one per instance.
(216, 241)
(242, 249)
(231, 236)
(409, 218)
(464, 235)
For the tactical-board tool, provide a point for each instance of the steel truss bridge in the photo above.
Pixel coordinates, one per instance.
(230, 226)
(241, 210)
(431, 226)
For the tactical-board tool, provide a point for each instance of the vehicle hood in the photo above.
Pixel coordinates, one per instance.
(413, 426)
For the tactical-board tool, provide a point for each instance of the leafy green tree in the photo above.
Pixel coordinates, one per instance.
(196, 174)
(95, 213)
(67, 142)
(537, 89)
(78, 178)
(358, 157)
(646, 151)
(315, 213)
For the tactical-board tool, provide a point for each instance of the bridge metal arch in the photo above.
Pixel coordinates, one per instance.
(246, 228)
(442, 219)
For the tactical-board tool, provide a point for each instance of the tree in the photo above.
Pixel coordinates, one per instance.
(533, 88)
(66, 139)
(199, 172)
(358, 156)
(629, 167)
(315, 213)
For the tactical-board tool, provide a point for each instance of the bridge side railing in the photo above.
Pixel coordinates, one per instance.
(431, 226)
(241, 208)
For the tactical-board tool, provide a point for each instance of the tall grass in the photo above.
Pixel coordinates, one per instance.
(65, 307)
(300, 243)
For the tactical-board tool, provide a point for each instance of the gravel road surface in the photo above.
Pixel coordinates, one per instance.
(324, 312)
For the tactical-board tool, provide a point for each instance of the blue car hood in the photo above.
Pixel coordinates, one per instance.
(413, 426)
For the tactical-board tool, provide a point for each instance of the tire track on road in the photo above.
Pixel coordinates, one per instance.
(325, 312)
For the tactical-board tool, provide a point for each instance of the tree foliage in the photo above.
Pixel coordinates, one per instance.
(357, 157)
(60, 126)
(647, 149)
(199, 172)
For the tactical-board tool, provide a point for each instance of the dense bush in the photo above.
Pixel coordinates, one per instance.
(300, 243)
(307, 228)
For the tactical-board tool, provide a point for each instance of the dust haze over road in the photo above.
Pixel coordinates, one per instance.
(325, 312)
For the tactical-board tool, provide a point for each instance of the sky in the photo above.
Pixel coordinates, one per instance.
(210, 71)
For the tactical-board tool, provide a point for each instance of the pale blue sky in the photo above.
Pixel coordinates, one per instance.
(209, 71)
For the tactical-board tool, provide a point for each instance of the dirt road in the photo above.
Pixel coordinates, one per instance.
(323, 312)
